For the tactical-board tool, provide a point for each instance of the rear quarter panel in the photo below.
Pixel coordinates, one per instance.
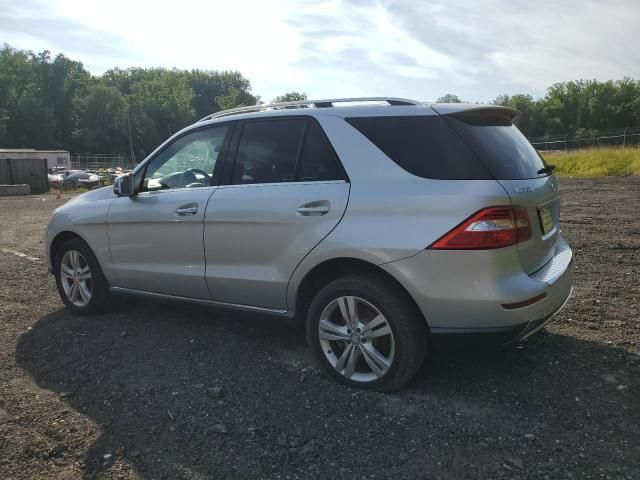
(391, 213)
(533, 194)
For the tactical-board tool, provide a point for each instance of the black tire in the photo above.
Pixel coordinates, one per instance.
(99, 299)
(403, 317)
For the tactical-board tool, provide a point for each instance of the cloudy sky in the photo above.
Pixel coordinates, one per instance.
(337, 48)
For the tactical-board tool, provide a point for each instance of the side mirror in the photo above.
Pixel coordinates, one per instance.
(123, 185)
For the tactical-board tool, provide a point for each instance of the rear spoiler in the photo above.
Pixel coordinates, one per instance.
(477, 114)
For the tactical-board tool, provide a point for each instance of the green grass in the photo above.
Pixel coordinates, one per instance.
(596, 162)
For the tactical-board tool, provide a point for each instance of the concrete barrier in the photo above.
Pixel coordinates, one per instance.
(11, 190)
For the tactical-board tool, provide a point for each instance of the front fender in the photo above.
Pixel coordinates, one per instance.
(85, 218)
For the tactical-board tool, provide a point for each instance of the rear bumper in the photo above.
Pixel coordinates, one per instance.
(537, 325)
(463, 292)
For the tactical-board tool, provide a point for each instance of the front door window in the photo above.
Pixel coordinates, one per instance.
(188, 162)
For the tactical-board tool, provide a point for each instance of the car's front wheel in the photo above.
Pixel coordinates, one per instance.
(79, 278)
(366, 332)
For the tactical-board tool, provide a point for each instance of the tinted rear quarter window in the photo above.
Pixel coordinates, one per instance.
(318, 161)
(423, 145)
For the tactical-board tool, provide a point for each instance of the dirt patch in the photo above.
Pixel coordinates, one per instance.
(154, 390)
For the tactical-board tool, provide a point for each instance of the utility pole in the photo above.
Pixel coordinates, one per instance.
(133, 158)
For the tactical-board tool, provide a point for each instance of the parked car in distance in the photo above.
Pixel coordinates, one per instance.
(81, 179)
(383, 224)
(54, 179)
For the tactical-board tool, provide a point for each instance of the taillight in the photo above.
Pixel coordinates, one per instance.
(492, 227)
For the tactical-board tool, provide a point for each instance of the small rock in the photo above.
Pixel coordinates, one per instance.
(218, 428)
(56, 451)
(302, 378)
(66, 394)
(217, 391)
(308, 448)
(529, 436)
(107, 456)
(513, 463)
(608, 378)
(621, 387)
(123, 333)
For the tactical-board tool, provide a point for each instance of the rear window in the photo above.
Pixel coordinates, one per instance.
(504, 150)
(423, 145)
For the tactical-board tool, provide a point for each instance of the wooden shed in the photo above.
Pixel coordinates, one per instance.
(32, 171)
(55, 158)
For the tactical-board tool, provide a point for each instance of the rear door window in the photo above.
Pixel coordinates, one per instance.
(423, 145)
(288, 150)
(268, 151)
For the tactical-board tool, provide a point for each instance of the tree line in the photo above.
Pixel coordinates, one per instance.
(55, 102)
(579, 107)
(50, 102)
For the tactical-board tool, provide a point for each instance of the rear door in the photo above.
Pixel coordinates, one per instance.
(286, 191)
(528, 180)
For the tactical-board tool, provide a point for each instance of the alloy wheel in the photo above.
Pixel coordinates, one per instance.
(356, 339)
(75, 276)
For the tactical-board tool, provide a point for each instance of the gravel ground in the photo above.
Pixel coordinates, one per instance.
(155, 390)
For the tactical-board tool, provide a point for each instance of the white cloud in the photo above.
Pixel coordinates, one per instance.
(571, 41)
(349, 47)
(251, 37)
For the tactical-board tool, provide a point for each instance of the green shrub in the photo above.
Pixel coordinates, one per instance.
(596, 162)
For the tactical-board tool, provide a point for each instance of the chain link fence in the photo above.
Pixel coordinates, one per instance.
(624, 137)
(99, 161)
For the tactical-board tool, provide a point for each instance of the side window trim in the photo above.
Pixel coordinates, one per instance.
(232, 153)
(219, 165)
(298, 164)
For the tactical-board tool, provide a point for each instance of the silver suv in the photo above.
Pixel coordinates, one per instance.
(382, 222)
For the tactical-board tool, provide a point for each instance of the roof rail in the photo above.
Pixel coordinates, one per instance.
(325, 103)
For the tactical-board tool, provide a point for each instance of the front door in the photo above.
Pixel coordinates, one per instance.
(156, 236)
(286, 194)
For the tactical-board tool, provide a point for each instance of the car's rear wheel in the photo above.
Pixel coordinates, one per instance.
(366, 332)
(79, 278)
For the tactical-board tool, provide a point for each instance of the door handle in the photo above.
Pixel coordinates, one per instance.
(187, 211)
(314, 209)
